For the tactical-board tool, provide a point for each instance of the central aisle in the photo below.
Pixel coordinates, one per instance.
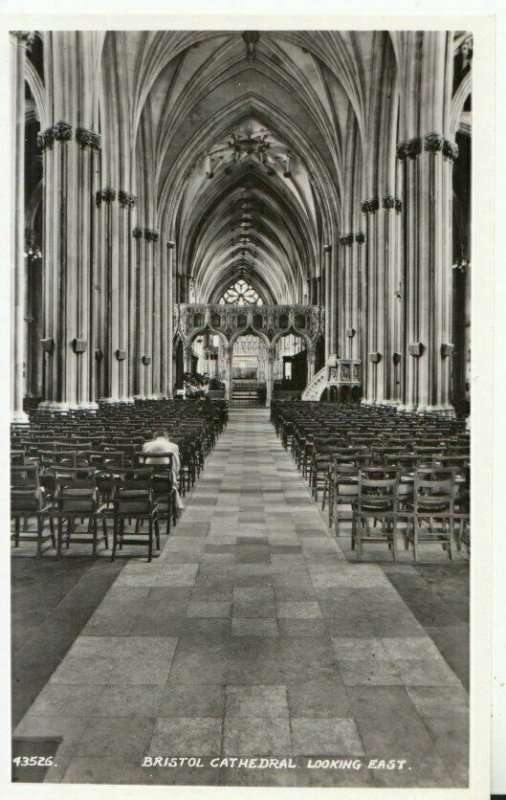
(252, 636)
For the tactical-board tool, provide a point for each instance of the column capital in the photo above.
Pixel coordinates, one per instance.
(107, 195)
(347, 240)
(25, 38)
(45, 138)
(62, 131)
(327, 248)
(433, 142)
(127, 199)
(370, 206)
(360, 237)
(389, 202)
(87, 138)
(450, 150)
(151, 236)
(410, 148)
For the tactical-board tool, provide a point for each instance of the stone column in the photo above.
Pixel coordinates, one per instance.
(140, 294)
(157, 324)
(395, 306)
(118, 288)
(346, 294)
(168, 331)
(148, 250)
(427, 178)
(19, 41)
(372, 354)
(127, 203)
(71, 152)
(426, 156)
(327, 250)
(354, 326)
(229, 354)
(36, 325)
(311, 358)
(271, 355)
(188, 350)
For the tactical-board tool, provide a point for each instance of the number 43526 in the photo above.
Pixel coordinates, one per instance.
(33, 761)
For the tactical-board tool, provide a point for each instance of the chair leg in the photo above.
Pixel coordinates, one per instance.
(157, 530)
(60, 537)
(415, 539)
(150, 542)
(394, 540)
(114, 539)
(450, 540)
(51, 530)
(104, 530)
(93, 523)
(358, 540)
(17, 523)
(39, 536)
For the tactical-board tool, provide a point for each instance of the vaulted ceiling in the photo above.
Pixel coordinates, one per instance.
(251, 150)
(246, 132)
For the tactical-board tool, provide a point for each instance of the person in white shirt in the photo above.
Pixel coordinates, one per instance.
(159, 446)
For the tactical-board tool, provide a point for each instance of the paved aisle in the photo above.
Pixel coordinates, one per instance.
(252, 636)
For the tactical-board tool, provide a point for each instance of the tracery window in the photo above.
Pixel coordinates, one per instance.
(241, 293)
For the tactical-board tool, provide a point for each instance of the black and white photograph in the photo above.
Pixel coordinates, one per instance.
(244, 396)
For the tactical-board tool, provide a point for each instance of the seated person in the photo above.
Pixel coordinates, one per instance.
(159, 446)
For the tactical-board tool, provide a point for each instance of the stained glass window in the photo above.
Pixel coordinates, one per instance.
(241, 293)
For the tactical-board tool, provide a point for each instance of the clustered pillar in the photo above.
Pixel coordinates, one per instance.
(19, 41)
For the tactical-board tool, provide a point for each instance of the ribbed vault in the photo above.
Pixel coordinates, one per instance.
(263, 214)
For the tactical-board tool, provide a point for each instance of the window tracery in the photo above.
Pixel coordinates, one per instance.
(241, 293)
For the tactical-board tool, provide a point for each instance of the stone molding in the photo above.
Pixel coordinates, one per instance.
(137, 233)
(45, 138)
(88, 138)
(126, 199)
(389, 202)
(25, 37)
(107, 195)
(352, 238)
(62, 131)
(450, 149)
(409, 149)
(151, 236)
(432, 143)
(370, 206)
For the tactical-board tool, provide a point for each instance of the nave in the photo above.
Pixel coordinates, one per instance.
(253, 635)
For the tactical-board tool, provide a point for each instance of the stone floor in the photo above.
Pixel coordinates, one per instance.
(252, 636)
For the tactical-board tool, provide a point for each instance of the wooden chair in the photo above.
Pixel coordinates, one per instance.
(133, 501)
(76, 499)
(27, 501)
(432, 517)
(376, 508)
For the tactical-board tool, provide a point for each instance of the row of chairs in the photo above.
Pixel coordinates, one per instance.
(81, 504)
(78, 479)
(375, 460)
(429, 507)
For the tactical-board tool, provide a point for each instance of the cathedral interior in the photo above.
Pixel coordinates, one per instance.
(257, 244)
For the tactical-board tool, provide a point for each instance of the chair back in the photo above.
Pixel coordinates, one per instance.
(378, 490)
(434, 492)
(26, 494)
